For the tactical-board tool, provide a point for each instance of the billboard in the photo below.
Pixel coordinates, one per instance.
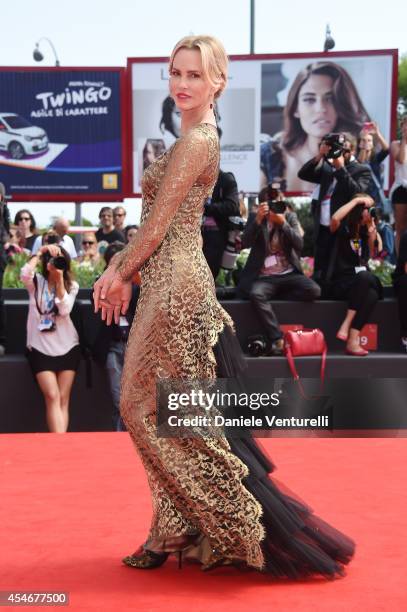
(273, 113)
(61, 133)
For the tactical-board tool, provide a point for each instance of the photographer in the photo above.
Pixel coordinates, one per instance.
(356, 240)
(340, 177)
(273, 268)
(398, 191)
(215, 227)
(53, 350)
(373, 150)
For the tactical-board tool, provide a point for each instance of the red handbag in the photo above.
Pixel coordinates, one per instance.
(301, 343)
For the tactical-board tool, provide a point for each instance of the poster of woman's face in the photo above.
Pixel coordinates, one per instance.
(303, 101)
(152, 149)
(273, 114)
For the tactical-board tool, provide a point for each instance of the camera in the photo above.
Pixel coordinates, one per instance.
(336, 143)
(276, 205)
(257, 345)
(356, 215)
(59, 263)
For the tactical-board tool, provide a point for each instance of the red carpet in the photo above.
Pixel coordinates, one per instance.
(72, 505)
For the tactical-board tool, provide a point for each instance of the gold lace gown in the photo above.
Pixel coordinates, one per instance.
(201, 499)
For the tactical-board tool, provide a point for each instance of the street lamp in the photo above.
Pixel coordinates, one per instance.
(252, 25)
(38, 56)
(329, 41)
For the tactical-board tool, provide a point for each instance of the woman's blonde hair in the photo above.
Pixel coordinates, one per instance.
(214, 59)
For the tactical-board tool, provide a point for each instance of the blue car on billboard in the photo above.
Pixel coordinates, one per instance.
(19, 138)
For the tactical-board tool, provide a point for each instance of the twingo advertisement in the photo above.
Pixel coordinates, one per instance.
(61, 133)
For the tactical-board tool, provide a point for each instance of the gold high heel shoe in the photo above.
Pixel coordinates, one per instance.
(217, 559)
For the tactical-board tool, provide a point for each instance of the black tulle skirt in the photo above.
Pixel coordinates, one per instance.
(298, 543)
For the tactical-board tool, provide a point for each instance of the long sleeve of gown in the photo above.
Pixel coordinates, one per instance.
(188, 160)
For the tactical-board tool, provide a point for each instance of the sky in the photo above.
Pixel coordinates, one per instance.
(105, 33)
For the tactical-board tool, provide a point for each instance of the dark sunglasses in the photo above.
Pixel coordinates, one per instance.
(88, 242)
(119, 215)
(24, 219)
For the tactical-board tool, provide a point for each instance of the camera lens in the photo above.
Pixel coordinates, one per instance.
(256, 346)
(59, 262)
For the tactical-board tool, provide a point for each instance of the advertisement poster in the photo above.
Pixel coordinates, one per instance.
(61, 133)
(273, 113)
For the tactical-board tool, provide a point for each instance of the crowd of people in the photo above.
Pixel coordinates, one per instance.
(47, 275)
(351, 224)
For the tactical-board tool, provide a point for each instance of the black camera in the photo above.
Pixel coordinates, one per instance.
(336, 143)
(356, 214)
(59, 263)
(276, 205)
(257, 345)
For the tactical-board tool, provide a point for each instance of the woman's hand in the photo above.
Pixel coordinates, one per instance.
(374, 128)
(324, 149)
(262, 212)
(276, 218)
(366, 200)
(112, 295)
(53, 250)
(338, 162)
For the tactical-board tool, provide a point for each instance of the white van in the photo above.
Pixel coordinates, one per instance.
(20, 138)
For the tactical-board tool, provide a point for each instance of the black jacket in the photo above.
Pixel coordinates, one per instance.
(225, 201)
(256, 237)
(353, 178)
(4, 232)
(108, 333)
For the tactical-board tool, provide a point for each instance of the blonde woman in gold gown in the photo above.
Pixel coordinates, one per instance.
(213, 499)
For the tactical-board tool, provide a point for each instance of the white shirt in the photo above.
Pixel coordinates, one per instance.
(325, 215)
(64, 337)
(66, 243)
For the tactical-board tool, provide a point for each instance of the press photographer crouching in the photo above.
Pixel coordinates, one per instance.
(273, 268)
(339, 177)
(53, 350)
(356, 240)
